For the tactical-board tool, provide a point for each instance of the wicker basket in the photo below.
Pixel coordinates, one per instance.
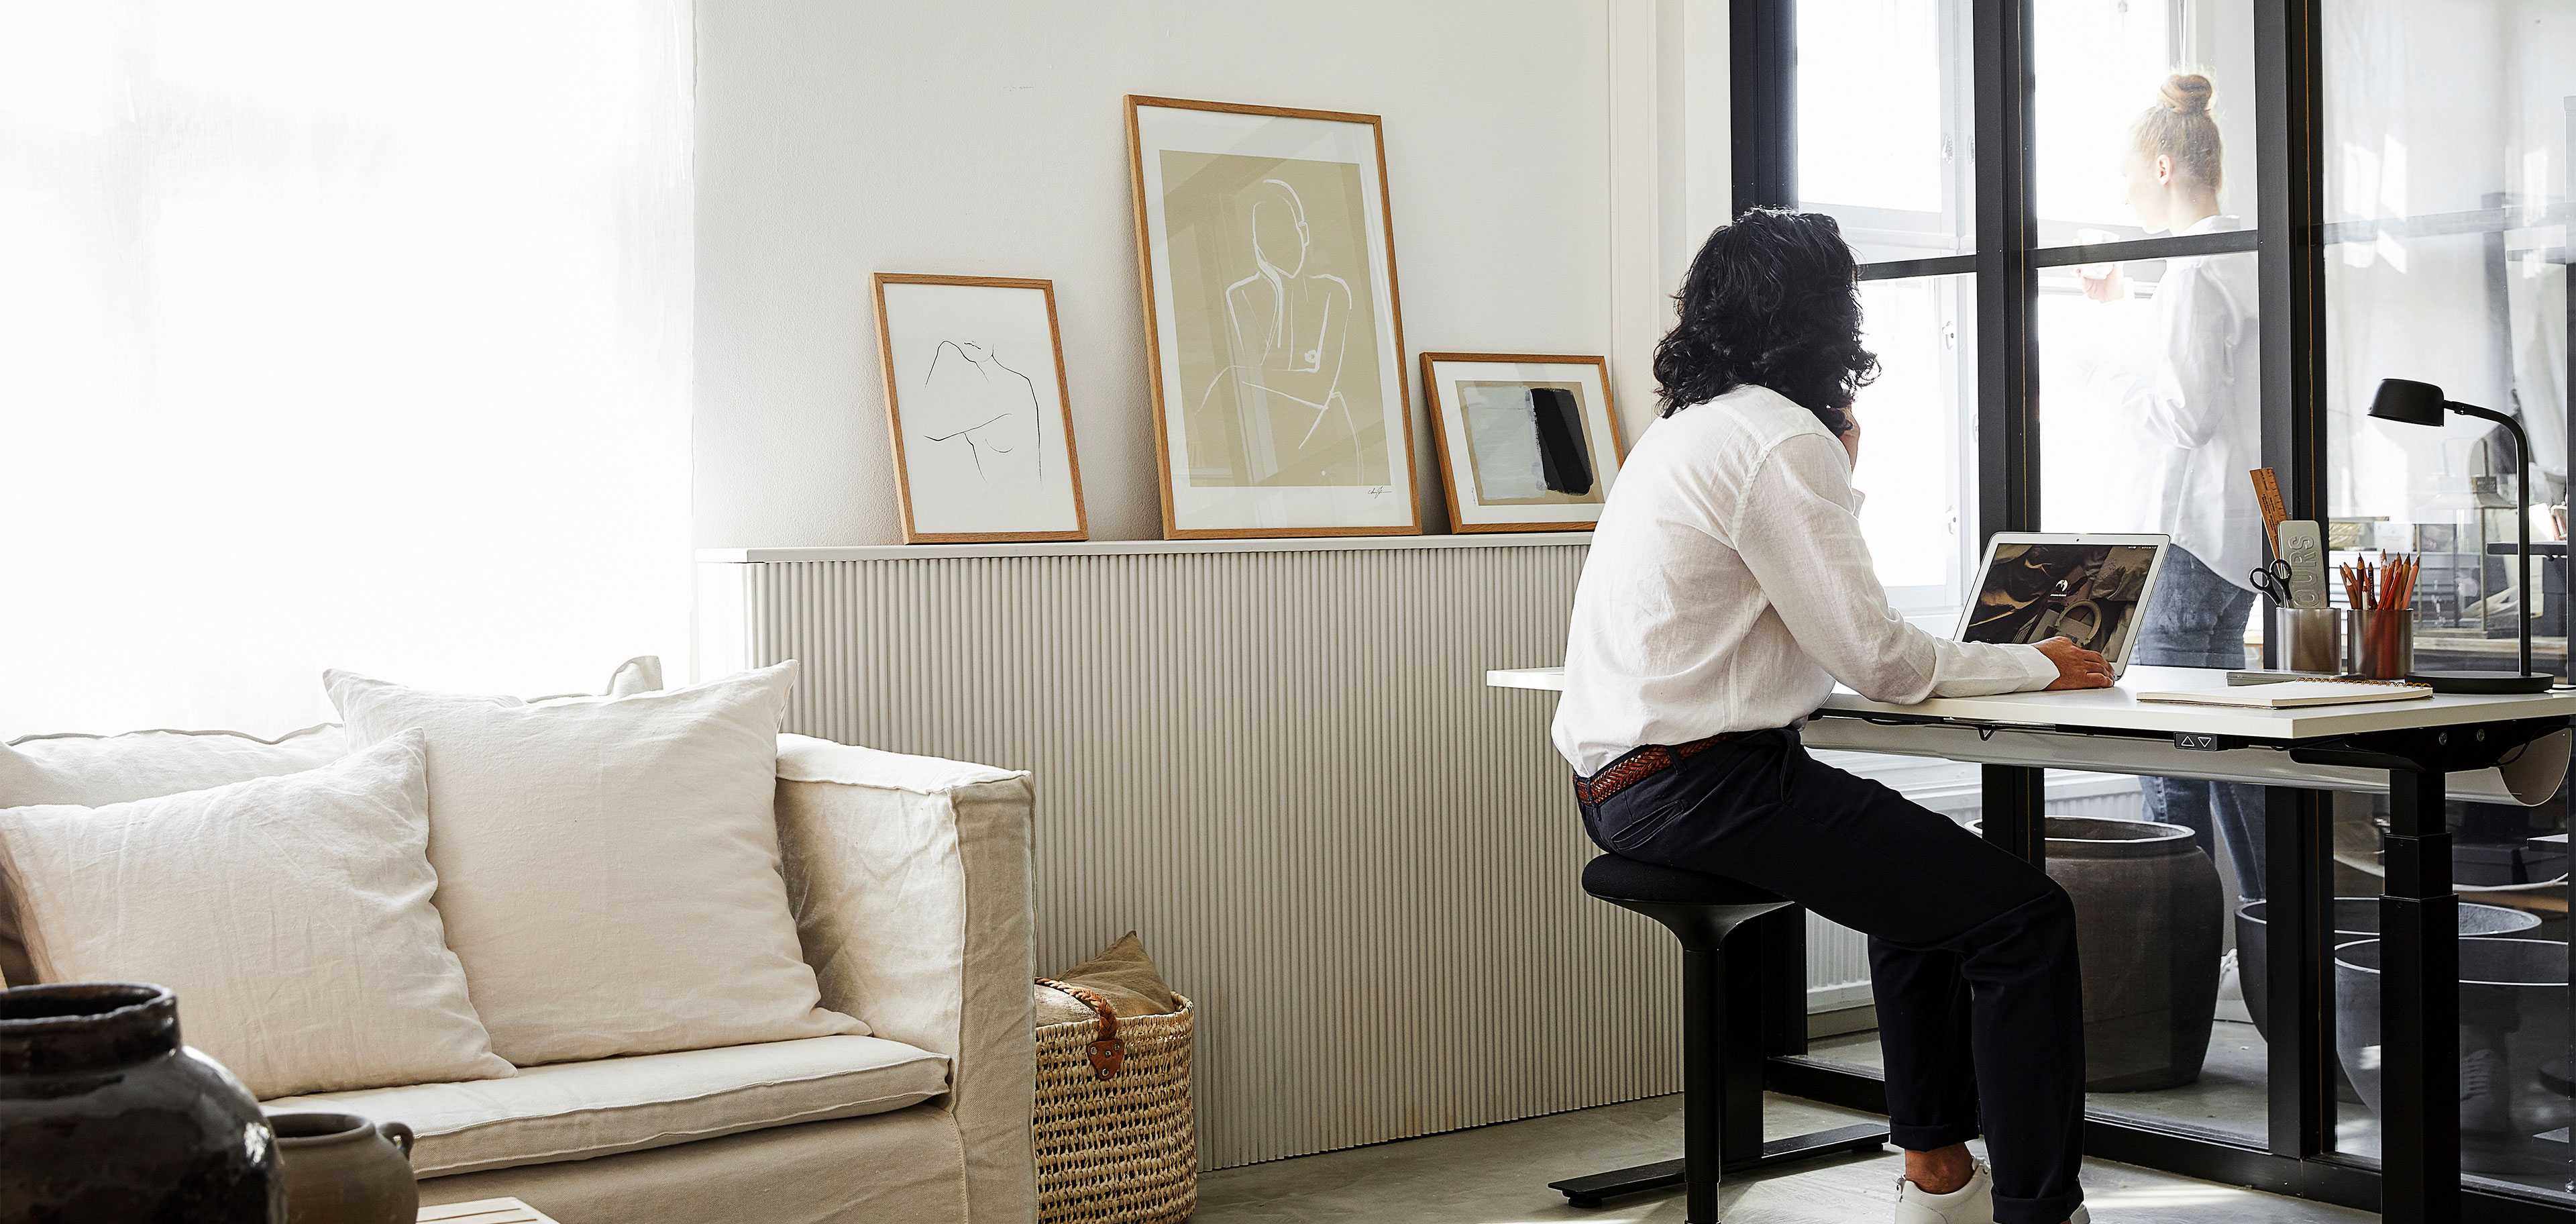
(1116, 1140)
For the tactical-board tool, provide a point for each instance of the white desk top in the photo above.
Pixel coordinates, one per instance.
(2118, 709)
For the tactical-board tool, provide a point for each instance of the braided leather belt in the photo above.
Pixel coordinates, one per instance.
(1639, 764)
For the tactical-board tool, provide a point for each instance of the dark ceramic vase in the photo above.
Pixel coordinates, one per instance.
(2148, 923)
(105, 1116)
(2513, 1024)
(344, 1169)
(2355, 918)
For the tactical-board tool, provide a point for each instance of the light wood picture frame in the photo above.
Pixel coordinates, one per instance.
(1274, 339)
(1527, 441)
(978, 406)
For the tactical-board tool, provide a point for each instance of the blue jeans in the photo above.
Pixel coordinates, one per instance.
(2197, 619)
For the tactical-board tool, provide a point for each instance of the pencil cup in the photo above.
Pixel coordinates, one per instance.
(2381, 643)
(2311, 639)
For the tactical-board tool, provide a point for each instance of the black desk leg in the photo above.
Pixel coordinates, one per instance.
(2301, 1058)
(2419, 1008)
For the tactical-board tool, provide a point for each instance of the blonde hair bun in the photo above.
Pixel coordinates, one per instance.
(2186, 93)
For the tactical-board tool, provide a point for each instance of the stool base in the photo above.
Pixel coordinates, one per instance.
(1594, 1189)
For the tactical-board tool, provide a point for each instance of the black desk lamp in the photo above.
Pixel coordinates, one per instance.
(2414, 403)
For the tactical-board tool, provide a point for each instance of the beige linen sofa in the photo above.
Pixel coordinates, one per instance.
(909, 880)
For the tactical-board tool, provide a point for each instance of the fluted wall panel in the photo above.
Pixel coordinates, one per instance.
(1285, 769)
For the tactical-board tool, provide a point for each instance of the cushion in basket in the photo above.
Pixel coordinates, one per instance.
(609, 867)
(291, 916)
(574, 1111)
(1121, 974)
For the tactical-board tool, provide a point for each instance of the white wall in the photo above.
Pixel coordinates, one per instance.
(837, 140)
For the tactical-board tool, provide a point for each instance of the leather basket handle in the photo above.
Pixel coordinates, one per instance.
(1108, 1053)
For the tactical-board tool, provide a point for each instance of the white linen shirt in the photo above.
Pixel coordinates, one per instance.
(2191, 413)
(1729, 587)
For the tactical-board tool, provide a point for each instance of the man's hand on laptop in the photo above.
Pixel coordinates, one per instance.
(2077, 668)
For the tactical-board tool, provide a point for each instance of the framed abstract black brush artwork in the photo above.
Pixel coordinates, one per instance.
(1527, 442)
(975, 399)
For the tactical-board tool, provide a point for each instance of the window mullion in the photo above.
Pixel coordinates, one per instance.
(2007, 376)
(1763, 88)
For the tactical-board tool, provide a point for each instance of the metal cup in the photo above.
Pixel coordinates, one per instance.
(2381, 644)
(2311, 639)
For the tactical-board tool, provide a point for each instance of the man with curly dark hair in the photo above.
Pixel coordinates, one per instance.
(1728, 589)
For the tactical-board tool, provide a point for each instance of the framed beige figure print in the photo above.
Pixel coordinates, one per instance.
(975, 397)
(1275, 349)
(1527, 442)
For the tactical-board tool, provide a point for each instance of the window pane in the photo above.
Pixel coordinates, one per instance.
(2168, 1038)
(1915, 424)
(2161, 876)
(2121, 83)
(2449, 310)
(2150, 416)
(1884, 123)
(2447, 146)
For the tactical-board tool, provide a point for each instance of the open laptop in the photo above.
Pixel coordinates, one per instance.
(2091, 589)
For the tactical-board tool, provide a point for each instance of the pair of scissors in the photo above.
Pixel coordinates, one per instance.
(2274, 580)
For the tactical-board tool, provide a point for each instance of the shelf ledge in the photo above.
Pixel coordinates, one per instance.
(1100, 548)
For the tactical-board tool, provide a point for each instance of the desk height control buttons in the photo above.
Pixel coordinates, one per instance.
(2196, 741)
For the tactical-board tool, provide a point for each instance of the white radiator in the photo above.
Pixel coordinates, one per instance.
(1280, 762)
(1282, 765)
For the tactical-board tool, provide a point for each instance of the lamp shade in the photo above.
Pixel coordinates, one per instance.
(2407, 402)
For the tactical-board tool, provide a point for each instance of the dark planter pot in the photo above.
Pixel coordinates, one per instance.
(2148, 925)
(2355, 918)
(2513, 1023)
(344, 1169)
(105, 1116)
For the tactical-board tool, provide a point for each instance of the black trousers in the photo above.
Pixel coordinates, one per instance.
(1972, 951)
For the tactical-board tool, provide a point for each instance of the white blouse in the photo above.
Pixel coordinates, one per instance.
(2187, 413)
(1729, 587)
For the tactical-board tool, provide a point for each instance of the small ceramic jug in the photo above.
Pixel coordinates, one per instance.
(344, 1169)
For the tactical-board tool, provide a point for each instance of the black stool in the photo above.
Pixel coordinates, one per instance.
(1721, 1039)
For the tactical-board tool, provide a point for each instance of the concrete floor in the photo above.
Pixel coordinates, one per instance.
(1499, 1175)
(2229, 1098)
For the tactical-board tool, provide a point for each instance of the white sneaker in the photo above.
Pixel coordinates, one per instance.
(2083, 1215)
(1973, 1203)
(2231, 992)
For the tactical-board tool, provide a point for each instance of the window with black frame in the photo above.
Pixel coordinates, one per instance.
(1884, 149)
(2147, 415)
(2447, 144)
(2149, 419)
(2153, 333)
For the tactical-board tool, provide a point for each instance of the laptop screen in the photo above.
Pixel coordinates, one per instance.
(2085, 592)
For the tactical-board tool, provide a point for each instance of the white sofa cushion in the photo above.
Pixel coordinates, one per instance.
(96, 770)
(609, 867)
(574, 1111)
(290, 915)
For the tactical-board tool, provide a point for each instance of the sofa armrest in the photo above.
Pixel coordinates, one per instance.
(909, 878)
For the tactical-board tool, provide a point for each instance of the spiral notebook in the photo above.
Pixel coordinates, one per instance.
(2292, 694)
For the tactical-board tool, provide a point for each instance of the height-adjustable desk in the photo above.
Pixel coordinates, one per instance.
(2503, 748)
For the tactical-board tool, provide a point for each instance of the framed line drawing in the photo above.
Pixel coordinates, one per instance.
(1527, 442)
(1274, 345)
(976, 400)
